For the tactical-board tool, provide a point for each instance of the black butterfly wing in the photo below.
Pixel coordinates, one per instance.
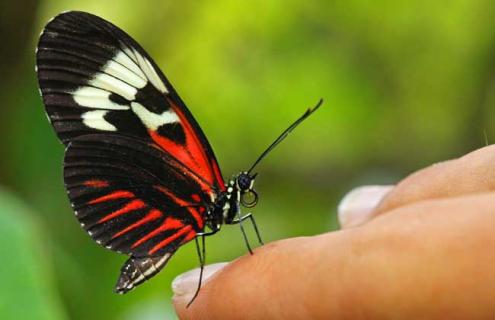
(139, 171)
(130, 196)
(95, 79)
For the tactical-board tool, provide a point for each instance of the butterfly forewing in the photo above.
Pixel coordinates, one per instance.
(95, 79)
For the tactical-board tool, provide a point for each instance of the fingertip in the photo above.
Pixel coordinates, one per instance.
(185, 285)
(242, 287)
(357, 206)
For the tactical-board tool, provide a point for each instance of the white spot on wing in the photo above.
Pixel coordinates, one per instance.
(152, 120)
(150, 72)
(127, 72)
(127, 59)
(109, 83)
(96, 98)
(119, 71)
(129, 52)
(94, 119)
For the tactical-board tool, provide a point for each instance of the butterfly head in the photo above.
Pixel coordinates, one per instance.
(244, 183)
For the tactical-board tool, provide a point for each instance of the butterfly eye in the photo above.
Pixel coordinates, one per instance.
(249, 198)
(244, 181)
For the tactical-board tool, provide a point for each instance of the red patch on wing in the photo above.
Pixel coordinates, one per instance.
(169, 224)
(182, 154)
(192, 154)
(180, 202)
(96, 183)
(131, 206)
(177, 200)
(168, 240)
(191, 235)
(120, 194)
(179, 152)
(172, 223)
(152, 215)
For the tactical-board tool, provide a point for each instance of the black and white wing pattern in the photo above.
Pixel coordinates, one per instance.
(95, 79)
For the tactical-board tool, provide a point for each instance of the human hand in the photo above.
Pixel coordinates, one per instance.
(424, 250)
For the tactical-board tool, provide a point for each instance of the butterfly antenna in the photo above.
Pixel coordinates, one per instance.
(286, 133)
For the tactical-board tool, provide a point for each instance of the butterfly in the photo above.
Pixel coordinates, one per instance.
(139, 172)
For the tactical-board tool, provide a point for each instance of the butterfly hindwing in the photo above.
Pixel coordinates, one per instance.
(131, 197)
(95, 79)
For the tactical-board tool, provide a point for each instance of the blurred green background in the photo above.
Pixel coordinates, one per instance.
(406, 84)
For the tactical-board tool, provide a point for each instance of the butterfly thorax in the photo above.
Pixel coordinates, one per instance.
(226, 209)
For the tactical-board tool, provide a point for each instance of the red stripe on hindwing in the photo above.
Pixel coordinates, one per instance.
(131, 206)
(168, 240)
(189, 236)
(96, 183)
(182, 203)
(121, 194)
(152, 215)
(169, 224)
(177, 200)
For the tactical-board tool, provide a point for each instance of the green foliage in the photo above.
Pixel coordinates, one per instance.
(27, 290)
(406, 84)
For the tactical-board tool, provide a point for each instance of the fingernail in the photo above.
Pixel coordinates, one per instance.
(357, 206)
(185, 285)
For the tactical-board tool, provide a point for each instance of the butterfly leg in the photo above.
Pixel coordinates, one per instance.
(239, 221)
(202, 259)
(250, 216)
(255, 226)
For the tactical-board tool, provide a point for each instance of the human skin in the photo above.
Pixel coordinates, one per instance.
(426, 251)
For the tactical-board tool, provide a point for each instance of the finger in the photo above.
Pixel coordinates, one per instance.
(357, 206)
(429, 260)
(472, 173)
(186, 284)
(274, 283)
